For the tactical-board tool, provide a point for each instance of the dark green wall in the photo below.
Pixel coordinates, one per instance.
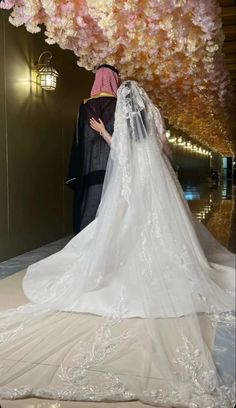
(36, 130)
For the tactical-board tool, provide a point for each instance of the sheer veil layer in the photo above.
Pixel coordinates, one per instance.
(139, 305)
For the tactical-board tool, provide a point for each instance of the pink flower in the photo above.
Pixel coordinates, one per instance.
(173, 47)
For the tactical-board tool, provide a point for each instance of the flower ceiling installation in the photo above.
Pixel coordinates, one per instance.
(172, 47)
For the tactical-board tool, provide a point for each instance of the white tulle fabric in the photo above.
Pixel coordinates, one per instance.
(130, 308)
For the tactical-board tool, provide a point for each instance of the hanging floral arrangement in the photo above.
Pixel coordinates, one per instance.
(172, 47)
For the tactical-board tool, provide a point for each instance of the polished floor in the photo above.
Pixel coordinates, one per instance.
(21, 262)
(213, 205)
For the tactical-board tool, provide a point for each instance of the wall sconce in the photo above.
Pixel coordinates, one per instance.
(187, 144)
(46, 73)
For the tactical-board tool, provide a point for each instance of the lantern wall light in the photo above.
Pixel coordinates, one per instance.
(46, 73)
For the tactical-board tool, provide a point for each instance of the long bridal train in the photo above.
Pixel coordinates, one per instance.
(130, 307)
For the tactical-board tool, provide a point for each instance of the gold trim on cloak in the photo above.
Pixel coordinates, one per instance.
(99, 95)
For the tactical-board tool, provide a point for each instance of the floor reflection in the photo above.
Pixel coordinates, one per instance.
(214, 205)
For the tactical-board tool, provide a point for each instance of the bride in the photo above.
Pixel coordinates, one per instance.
(139, 305)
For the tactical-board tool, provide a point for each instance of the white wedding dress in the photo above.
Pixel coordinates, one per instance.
(130, 307)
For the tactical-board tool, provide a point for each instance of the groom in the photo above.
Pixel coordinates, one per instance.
(90, 152)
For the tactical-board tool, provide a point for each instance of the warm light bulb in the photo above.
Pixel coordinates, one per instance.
(48, 78)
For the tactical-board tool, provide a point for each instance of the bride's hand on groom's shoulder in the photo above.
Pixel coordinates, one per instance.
(100, 128)
(97, 125)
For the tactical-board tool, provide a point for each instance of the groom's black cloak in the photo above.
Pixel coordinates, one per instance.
(88, 159)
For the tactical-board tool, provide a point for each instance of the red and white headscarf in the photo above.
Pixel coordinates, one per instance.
(106, 80)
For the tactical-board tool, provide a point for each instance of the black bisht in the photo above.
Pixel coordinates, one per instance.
(88, 161)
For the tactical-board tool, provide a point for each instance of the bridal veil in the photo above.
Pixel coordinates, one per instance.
(139, 305)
